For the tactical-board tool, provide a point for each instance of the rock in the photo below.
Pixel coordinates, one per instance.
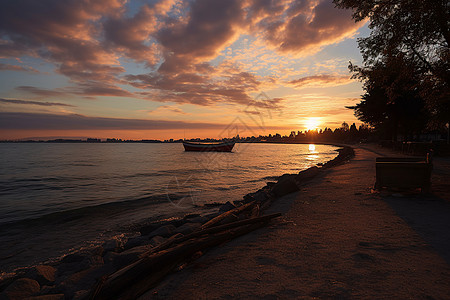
(48, 297)
(226, 207)
(344, 154)
(239, 202)
(83, 280)
(74, 263)
(5, 282)
(127, 257)
(213, 204)
(137, 241)
(163, 231)
(114, 244)
(98, 250)
(308, 174)
(270, 184)
(81, 295)
(247, 198)
(148, 229)
(73, 258)
(47, 289)
(188, 228)
(43, 274)
(284, 177)
(285, 186)
(260, 196)
(109, 257)
(22, 288)
(156, 240)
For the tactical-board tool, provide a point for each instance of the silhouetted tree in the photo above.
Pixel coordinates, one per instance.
(344, 126)
(418, 32)
(353, 132)
(392, 101)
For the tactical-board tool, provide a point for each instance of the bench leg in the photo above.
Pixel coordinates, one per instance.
(376, 186)
(426, 189)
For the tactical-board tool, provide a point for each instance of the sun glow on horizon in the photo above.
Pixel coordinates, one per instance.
(161, 74)
(312, 123)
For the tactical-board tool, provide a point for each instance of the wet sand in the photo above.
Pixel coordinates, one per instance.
(337, 239)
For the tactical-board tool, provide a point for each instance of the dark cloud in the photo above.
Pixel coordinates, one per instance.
(176, 39)
(63, 31)
(99, 89)
(87, 89)
(39, 92)
(209, 26)
(130, 35)
(197, 88)
(258, 8)
(28, 121)
(321, 80)
(304, 25)
(28, 102)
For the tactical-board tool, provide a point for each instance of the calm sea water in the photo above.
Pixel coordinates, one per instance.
(57, 197)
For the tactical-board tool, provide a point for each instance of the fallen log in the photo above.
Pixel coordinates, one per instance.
(255, 211)
(211, 230)
(137, 278)
(233, 211)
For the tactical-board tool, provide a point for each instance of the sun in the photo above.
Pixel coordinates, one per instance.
(312, 123)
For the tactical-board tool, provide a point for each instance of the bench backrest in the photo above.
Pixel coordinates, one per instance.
(400, 159)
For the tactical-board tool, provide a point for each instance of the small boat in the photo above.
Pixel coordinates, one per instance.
(219, 147)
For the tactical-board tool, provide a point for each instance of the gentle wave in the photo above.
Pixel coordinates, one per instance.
(55, 197)
(61, 217)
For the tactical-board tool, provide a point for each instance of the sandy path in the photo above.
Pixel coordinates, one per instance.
(336, 240)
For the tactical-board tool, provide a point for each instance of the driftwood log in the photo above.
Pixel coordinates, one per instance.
(134, 280)
(234, 211)
(211, 230)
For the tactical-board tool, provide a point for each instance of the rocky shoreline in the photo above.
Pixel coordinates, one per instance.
(82, 274)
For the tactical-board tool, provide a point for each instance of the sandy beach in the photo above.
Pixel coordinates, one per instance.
(336, 239)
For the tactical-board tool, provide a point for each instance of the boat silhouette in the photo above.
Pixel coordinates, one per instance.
(203, 147)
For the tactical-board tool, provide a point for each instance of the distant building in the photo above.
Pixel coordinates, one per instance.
(92, 140)
(114, 140)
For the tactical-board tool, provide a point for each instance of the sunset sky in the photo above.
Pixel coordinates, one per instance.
(172, 69)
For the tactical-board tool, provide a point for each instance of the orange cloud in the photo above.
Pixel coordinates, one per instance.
(164, 109)
(176, 40)
(7, 67)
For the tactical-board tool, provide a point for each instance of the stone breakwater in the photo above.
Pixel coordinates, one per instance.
(85, 273)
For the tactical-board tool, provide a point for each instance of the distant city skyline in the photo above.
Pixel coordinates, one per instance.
(175, 69)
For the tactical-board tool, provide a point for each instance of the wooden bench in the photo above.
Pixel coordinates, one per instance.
(404, 173)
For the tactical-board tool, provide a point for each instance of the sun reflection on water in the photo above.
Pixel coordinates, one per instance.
(313, 154)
